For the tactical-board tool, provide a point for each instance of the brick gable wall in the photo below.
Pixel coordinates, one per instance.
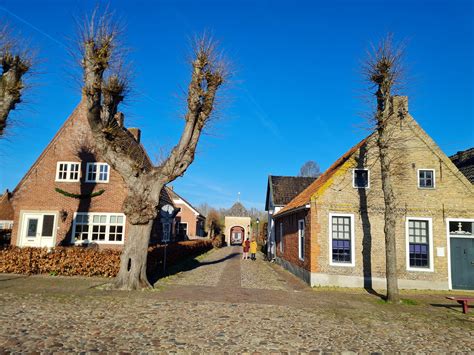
(36, 191)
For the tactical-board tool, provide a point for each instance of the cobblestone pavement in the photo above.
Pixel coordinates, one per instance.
(229, 311)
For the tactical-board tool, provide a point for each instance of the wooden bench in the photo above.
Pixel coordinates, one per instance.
(462, 301)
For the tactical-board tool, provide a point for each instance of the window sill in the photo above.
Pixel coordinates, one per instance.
(411, 269)
(342, 264)
(86, 243)
(426, 188)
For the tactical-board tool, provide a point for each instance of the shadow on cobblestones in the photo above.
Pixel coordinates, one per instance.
(188, 265)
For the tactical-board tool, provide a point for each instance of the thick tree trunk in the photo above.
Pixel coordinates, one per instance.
(132, 274)
(389, 216)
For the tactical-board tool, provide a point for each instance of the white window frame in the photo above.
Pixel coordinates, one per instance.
(280, 230)
(107, 228)
(368, 179)
(353, 240)
(186, 223)
(448, 241)
(430, 241)
(68, 171)
(434, 179)
(301, 238)
(98, 165)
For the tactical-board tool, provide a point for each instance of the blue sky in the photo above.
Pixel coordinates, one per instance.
(297, 93)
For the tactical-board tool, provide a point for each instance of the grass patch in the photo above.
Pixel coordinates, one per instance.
(408, 302)
(404, 301)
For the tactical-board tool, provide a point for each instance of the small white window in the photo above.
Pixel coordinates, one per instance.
(426, 178)
(301, 239)
(67, 171)
(360, 178)
(97, 172)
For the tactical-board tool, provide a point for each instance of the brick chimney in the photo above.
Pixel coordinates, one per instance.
(136, 133)
(400, 104)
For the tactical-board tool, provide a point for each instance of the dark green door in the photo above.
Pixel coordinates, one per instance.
(462, 263)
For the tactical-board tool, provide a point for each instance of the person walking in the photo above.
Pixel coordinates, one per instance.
(246, 247)
(253, 249)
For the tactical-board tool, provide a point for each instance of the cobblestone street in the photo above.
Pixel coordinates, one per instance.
(222, 304)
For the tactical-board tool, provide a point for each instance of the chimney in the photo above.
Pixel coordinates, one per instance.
(400, 104)
(120, 118)
(136, 133)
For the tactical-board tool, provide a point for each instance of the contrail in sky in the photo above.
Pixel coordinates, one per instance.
(33, 27)
(29, 24)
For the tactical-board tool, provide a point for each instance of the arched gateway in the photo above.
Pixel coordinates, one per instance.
(237, 234)
(237, 229)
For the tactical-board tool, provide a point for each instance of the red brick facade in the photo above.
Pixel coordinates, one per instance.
(289, 225)
(190, 216)
(36, 192)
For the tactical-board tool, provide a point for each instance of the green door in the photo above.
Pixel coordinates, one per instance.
(462, 263)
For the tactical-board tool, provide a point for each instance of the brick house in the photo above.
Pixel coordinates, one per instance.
(332, 233)
(189, 222)
(6, 211)
(280, 191)
(71, 196)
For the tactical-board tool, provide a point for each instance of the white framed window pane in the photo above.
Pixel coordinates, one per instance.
(96, 219)
(103, 219)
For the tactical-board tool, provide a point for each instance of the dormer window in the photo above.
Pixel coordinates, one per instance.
(426, 178)
(68, 171)
(97, 172)
(360, 178)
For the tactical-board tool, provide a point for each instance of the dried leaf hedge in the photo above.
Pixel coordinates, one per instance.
(80, 261)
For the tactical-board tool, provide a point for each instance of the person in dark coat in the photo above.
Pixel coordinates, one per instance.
(246, 248)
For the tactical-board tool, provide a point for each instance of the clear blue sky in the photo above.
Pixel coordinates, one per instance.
(297, 93)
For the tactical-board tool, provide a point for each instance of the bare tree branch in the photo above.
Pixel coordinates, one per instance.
(209, 72)
(104, 89)
(383, 70)
(15, 64)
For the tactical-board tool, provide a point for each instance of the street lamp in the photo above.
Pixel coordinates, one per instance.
(258, 222)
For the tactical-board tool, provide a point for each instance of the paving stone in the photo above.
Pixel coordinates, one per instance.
(224, 305)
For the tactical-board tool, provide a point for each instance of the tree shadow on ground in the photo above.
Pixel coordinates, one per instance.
(186, 265)
(448, 306)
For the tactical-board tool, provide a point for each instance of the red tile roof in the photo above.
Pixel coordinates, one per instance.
(304, 197)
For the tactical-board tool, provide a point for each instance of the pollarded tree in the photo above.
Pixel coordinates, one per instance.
(103, 91)
(383, 70)
(15, 64)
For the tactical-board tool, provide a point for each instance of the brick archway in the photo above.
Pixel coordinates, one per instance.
(237, 235)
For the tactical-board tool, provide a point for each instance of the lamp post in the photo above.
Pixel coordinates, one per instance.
(258, 222)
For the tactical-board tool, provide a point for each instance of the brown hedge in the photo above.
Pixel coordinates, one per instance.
(80, 261)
